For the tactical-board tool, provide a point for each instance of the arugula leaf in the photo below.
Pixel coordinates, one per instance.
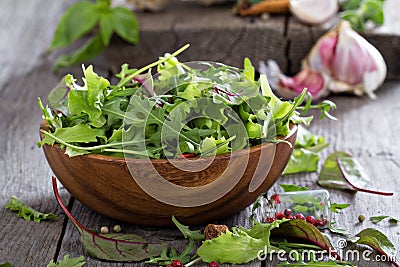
(302, 160)
(378, 241)
(28, 213)
(293, 188)
(112, 247)
(187, 233)
(335, 207)
(166, 258)
(68, 262)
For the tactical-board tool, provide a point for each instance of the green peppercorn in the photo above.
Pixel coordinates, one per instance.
(361, 218)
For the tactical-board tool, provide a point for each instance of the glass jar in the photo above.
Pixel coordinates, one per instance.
(312, 206)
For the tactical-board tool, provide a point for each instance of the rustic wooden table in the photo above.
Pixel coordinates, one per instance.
(367, 129)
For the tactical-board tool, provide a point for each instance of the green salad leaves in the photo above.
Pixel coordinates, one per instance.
(28, 213)
(185, 109)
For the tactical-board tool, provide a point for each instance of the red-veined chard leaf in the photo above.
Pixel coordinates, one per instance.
(303, 230)
(379, 242)
(342, 171)
(112, 247)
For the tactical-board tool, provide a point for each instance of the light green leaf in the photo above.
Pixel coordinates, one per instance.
(68, 262)
(249, 70)
(28, 213)
(293, 188)
(78, 20)
(378, 241)
(125, 24)
(235, 247)
(80, 133)
(302, 160)
(335, 207)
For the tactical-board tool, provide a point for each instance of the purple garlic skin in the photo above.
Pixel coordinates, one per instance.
(340, 61)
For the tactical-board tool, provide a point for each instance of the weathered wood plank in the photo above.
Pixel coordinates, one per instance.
(23, 169)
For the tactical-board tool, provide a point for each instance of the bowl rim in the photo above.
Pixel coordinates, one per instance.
(293, 128)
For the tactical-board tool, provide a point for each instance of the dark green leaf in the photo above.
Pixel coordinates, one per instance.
(125, 24)
(68, 262)
(335, 207)
(112, 247)
(378, 241)
(7, 264)
(187, 233)
(377, 219)
(78, 20)
(293, 188)
(28, 213)
(302, 160)
(92, 48)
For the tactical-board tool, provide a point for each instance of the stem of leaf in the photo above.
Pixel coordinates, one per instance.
(193, 262)
(125, 80)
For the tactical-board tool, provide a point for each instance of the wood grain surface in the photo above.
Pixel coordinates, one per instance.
(367, 129)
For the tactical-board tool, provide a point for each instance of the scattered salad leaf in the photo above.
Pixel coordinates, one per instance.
(302, 160)
(359, 12)
(339, 231)
(68, 262)
(81, 19)
(28, 213)
(235, 247)
(167, 257)
(293, 188)
(335, 207)
(342, 171)
(305, 156)
(379, 242)
(377, 219)
(112, 247)
(352, 171)
(187, 233)
(7, 264)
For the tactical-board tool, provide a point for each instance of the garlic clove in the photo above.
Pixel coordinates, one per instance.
(357, 63)
(313, 11)
(315, 82)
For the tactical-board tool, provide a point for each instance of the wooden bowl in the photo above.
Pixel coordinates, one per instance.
(106, 185)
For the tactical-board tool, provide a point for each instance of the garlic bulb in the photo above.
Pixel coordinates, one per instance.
(313, 11)
(340, 61)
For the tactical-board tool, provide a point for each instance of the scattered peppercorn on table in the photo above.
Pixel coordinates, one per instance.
(365, 128)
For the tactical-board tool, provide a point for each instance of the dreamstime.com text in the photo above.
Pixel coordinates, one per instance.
(348, 255)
